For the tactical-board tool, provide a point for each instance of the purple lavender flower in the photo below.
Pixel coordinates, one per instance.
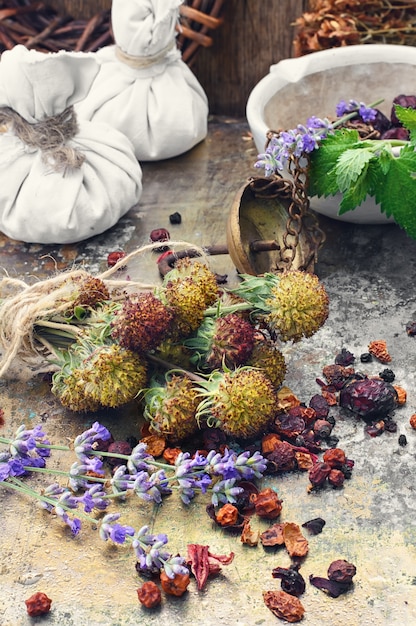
(25, 441)
(121, 482)
(367, 113)
(249, 467)
(152, 558)
(12, 467)
(139, 459)
(113, 531)
(93, 498)
(77, 479)
(85, 443)
(225, 491)
(73, 523)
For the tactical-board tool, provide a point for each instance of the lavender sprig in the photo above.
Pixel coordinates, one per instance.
(305, 138)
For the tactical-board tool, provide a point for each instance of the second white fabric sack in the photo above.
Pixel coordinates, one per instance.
(143, 88)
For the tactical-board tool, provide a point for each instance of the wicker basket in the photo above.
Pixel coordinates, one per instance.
(35, 24)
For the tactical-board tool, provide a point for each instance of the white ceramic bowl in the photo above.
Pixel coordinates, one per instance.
(298, 88)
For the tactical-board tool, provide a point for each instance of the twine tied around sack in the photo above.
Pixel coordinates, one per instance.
(141, 62)
(49, 135)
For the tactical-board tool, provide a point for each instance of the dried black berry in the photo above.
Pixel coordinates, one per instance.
(411, 329)
(292, 581)
(402, 440)
(388, 375)
(175, 218)
(366, 357)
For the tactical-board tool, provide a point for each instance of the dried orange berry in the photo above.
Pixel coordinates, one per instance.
(378, 349)
(175, 586)
(335, 457)
(284, 605)
(412, 421)
(227, 515)
(267, 503)
(401, 394)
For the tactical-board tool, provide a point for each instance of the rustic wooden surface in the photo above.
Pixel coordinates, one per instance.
(254, 35)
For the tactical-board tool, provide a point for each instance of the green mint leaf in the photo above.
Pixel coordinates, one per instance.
(351, 166)
(396, 191)
(408, 118)
(322, 172)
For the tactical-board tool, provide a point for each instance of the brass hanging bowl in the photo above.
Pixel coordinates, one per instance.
(269, 229)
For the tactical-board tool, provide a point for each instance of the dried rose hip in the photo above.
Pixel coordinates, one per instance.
(114, 257)
(227, 515)
(175, 586)
(149, 595)
(267, 503)
(335, 457)
(341, 571)
(284, 605)
(336, 478)
(159, 234)
(38, 604)
(319, 473)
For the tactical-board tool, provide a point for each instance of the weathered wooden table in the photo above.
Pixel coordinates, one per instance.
(369, 274)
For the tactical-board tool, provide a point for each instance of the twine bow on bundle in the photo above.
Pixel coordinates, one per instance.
(50, 136)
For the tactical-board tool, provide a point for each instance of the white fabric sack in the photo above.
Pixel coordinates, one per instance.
(143, 88)
(43, 200)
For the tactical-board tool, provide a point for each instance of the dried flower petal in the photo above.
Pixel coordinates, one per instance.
(203, 563)
(296, 544)
(273, 536)
(249, 536)
(267, 503)
(314, 526)
(292, 581)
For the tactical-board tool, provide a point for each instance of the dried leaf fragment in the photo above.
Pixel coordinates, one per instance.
(284, 605)
(249, 536)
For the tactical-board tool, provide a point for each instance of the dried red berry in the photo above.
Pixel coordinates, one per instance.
(319, 473)
(159, 234)
(341, 571)
(335, 457)
(114, 257)
(38, 604)
(149, 595)
(118, 447)
(336, 478)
